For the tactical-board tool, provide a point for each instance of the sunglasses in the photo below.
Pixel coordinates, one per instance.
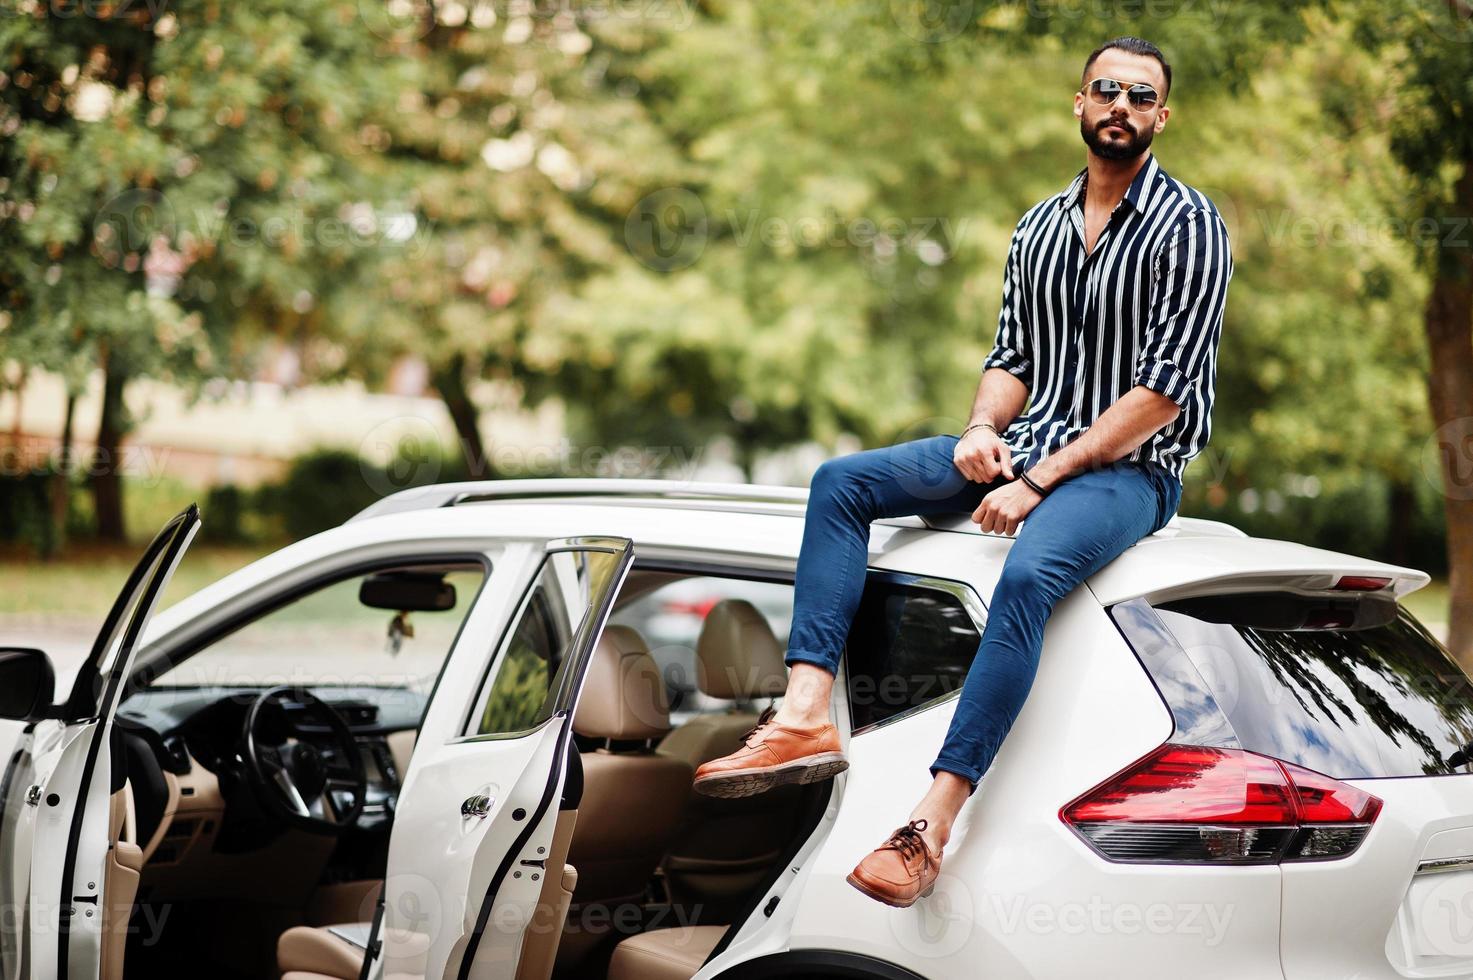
(1104, 91)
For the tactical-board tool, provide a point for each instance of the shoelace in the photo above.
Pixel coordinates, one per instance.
(908, 840)
(762, 722)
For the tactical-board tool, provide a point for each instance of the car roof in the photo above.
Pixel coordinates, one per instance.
(734, 498)
(1187, 554)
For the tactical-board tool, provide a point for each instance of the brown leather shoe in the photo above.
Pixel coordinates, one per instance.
(899, 871)
(771, 755)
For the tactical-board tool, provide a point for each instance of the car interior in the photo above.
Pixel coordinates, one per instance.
(252, 807)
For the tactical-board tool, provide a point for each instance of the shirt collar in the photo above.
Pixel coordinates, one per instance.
(1134, 194)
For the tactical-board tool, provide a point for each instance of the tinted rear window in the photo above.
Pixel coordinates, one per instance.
(909, 645)
(1350, 687)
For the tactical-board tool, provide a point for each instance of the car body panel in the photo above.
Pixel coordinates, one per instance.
(1373, 915)
(1018, 891)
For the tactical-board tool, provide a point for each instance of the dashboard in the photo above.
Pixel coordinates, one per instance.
(192, 728)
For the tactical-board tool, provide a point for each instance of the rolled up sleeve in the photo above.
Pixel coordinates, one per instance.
(1189, 294)
(1012, 350)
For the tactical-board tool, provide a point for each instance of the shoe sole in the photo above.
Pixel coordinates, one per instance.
(750, 782)
(894, 903)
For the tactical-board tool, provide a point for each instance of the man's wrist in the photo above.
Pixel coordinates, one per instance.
(1046, 474)
(980, 425)
(1032, 484)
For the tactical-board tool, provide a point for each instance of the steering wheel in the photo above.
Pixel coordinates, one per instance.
(298, 782)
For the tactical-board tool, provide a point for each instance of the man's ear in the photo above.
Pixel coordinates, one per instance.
(1161, 118)
(1079, 105)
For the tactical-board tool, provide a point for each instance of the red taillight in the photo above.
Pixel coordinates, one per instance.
(691, 607)
(1188, 784)
(1192, 804)
(1361, 583)
(1325, 800)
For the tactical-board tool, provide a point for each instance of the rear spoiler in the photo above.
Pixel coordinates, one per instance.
(1161, 569)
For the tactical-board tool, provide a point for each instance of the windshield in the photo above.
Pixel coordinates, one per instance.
(331, 637)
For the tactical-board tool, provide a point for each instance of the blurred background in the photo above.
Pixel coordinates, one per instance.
(283, 258)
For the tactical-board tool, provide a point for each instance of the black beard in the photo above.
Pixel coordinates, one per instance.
(1137, 145)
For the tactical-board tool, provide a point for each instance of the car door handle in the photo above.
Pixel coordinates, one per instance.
(476, 806)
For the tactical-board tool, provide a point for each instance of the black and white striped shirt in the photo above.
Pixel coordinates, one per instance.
(1144, 308)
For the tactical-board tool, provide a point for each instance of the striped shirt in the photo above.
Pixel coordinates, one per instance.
(1144, 308)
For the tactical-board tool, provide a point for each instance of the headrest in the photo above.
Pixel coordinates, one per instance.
(737, 656)
(623, 696)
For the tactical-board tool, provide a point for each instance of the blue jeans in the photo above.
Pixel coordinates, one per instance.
(1073, 532)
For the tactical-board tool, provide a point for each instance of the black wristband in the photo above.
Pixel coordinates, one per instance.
(981, 425)
(1032, 484)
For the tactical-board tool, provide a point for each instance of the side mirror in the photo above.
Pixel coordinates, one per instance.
(27, 684)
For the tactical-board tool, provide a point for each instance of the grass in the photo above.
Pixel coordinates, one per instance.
(86, 580)
(1429, 603)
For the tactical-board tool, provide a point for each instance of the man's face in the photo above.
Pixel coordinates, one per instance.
(1120, 131)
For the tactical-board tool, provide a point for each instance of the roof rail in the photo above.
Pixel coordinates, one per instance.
(450, 494)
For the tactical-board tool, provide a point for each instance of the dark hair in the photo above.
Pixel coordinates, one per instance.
(1131, 45)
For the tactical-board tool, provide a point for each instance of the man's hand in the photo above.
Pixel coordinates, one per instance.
(982, 456)
(1002, 510)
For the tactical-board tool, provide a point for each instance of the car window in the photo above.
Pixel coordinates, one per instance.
(670, 619)
(330, 636)
(1348, 686)
(528, 675)
(911, 643)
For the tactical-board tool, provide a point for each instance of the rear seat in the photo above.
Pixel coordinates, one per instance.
(664, 954)
(725, 848)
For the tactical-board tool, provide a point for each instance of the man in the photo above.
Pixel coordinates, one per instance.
(1097, 393)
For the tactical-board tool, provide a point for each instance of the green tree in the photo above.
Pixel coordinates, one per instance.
(518, 156)
(175, 181)
(1426, 105)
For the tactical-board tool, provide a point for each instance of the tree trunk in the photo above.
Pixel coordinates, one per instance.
(1449, 323)
(16, 430)
(1402, 507)
(61, 480)
(449, 381)
(107, 483)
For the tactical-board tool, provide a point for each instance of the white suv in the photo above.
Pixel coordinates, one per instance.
(434, 743)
